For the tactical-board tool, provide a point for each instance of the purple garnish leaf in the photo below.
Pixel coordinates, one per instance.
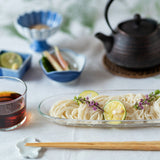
(87, 98)
(92, 103)
(94, 108)
(95, 105)
(147, 100)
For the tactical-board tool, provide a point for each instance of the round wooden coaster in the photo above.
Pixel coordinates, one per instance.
(124, 72)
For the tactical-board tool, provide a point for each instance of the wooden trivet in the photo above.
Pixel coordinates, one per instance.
(124, 72)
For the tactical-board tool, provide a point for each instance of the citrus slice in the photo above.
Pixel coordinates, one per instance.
(88, 93)
(114, 110)
(10, 60)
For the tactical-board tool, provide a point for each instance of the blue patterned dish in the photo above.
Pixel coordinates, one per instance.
(24, 23)
(77, 63)
(21, 71)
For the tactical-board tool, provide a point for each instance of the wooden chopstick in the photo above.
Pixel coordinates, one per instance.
(132, 145)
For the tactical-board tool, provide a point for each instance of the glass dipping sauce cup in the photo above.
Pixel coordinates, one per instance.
(12, 103)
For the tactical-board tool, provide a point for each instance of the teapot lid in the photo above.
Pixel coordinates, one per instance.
(138, 26)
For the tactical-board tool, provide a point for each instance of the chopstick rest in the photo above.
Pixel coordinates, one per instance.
(28, 152)
(132, 145)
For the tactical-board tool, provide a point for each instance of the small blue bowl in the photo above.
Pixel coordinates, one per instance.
(50, 19)
(76, 62)
(19, 72)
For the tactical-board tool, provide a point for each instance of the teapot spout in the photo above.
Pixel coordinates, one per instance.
(107, 41)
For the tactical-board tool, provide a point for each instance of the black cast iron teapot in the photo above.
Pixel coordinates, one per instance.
(135, 43)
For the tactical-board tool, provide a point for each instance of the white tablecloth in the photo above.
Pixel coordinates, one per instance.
(94, 77)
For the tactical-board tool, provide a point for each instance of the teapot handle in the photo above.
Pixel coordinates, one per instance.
(106, 14)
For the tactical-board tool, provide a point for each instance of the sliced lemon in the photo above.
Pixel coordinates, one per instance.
(10, 60)
(88, 93)
(114, 110)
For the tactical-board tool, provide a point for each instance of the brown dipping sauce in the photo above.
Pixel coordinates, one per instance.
(39, 26)
(13, 113)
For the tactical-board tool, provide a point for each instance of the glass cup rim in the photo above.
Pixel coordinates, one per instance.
(22, 95)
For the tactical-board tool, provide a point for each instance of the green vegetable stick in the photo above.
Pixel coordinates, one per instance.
(52, 61)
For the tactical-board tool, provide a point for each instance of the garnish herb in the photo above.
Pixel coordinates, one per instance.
(93, 104)
(149, 98)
